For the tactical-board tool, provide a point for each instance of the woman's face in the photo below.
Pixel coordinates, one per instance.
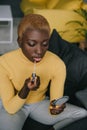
(34, 44)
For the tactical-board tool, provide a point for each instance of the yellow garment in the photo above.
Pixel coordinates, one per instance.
(15, 68)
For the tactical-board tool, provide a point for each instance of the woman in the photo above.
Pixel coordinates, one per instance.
(24, 77)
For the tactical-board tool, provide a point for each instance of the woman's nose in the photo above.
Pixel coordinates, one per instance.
(39, 49)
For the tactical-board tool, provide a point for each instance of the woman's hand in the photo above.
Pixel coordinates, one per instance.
(55, 109)
(29, 84)
(32, 85)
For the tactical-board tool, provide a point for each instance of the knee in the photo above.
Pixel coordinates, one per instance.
(83, 113)
(50, 121)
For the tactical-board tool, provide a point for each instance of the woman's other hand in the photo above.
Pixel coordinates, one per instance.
(55, 109)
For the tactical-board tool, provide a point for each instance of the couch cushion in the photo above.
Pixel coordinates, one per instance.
(76, 64)
(80, 124)
(82, 97)
(58, 18)
(61, 4)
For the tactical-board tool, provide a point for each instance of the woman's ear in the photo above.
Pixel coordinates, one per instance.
(19, 40)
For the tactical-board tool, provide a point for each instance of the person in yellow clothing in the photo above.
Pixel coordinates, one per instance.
(24, 76)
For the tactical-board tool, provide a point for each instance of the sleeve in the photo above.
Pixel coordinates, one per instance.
(58, 80)
(11, 101)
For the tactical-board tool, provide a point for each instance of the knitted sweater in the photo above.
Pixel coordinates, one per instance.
(15, 68)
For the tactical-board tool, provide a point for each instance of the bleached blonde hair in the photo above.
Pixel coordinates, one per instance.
(33, 22)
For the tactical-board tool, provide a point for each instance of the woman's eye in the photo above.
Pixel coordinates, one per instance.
(31, 43)
(45, 43)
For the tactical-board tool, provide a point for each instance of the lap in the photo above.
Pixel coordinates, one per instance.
(41, 113)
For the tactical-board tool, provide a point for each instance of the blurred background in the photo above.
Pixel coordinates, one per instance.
(60, 14)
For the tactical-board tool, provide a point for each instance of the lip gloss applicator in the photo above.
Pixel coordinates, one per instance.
(34, 73)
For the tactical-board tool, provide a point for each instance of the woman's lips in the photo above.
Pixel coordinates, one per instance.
(37, 59)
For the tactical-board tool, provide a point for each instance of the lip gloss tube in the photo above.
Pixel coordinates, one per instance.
(34, 73)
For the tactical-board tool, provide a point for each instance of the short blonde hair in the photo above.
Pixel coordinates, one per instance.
(34, 22)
